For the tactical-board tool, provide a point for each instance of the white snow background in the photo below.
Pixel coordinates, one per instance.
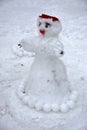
(18, 19)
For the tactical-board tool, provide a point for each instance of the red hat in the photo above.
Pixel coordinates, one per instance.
(45, 16)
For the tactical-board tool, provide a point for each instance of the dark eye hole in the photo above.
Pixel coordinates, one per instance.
(47, 25)
(39, 24)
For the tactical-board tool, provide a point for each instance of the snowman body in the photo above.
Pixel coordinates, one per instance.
(46, 87)
(44, 82)
(47, 80)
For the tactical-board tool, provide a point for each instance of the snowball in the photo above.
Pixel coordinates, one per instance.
(70, 103)
(64, 108)
(25, 53)
(73, 96)
(29, 54)
(47, 108)
(31, 103)
(55, 107)
(38, 106)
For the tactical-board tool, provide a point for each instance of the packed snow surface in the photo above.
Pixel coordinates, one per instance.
(18, 19)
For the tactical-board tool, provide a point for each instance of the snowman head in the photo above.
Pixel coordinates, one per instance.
(49, 25)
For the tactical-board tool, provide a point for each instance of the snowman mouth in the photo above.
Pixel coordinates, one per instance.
(42, 32)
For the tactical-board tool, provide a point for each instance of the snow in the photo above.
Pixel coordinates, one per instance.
(17, 19)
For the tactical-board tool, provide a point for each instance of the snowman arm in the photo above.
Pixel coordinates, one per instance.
(27, 45)
(54, 49)
(61, 45)
(59, 50)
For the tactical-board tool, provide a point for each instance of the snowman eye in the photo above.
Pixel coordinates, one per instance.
(47, 25)
(39, 24)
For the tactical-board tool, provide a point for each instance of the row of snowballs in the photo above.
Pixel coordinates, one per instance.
(33, 103)
(19, 51)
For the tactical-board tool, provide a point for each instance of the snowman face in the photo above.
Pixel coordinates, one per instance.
(48, 28)
(44, 27)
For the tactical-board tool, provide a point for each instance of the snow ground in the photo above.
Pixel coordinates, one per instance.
(16, 21)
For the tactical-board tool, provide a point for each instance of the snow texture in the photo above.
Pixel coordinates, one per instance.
(17, 19)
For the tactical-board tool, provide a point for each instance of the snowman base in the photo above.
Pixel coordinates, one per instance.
(32, 102)
(30, 119)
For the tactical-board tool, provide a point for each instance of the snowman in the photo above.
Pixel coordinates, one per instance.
(47, 87)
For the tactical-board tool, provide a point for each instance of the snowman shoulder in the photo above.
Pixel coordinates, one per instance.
(29, 40)
(58, 48)
(29, 43)
(57, 44)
